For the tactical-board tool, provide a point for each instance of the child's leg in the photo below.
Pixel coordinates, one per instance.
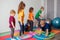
(31, 25)
(29, 22)
(20, 29)
(23, 28)
(38, 19)
(12, 32)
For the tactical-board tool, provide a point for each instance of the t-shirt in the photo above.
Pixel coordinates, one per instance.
(11, 19)
(30, 16)
(47, 26)
(21, 14)
(38, 14)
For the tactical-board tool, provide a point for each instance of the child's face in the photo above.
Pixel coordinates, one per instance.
(22, 6)
(12, 13)
(42, 22)
(42, 9)
(31, 11)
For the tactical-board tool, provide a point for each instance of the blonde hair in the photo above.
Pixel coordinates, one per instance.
(13, 11)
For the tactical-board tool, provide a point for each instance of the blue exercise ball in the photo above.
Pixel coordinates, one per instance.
(56, 22)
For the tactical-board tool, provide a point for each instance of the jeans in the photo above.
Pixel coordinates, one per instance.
(31, 25)
(38, 19)
(12, 32)
(21, 28)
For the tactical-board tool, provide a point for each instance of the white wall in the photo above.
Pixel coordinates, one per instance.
(7, 5)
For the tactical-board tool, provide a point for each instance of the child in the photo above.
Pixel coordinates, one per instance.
(12, 22)
(31, 18)
(38, 15)
(21, 16)
(44, 27)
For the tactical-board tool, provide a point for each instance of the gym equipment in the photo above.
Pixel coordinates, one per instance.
(37, 31)
(29, 35)
(43, 37)
(32, 33)
(55, 31)
(56, 22)
(30, 39)
(25, 37)
(16, 38)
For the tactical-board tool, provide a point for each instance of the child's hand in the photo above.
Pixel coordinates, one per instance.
(41, 16)
(46, 32)
(13, 26)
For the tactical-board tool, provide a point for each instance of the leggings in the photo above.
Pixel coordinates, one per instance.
(12, 32)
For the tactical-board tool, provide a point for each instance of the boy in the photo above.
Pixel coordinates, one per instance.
(38, 15)
(31, 18)
(44, 27)
(12, 23)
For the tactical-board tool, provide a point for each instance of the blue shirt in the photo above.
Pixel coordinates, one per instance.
(46, 26)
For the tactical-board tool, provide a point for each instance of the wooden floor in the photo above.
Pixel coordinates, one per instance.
(57, 37)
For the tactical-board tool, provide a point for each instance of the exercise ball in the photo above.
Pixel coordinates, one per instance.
(56, 22)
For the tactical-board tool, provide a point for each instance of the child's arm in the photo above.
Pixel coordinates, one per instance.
(28, 15)
(40, 13)
(33, 17)
(12, 24)
(40, 16)
(22, 19)
(40, 31)
(46, 32)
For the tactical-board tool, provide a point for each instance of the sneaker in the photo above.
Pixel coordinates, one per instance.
(30, 32)
(23, 35)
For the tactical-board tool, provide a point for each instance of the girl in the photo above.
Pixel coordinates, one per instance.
(21, 16)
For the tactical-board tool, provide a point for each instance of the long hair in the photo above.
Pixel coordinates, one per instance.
(21, 6)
